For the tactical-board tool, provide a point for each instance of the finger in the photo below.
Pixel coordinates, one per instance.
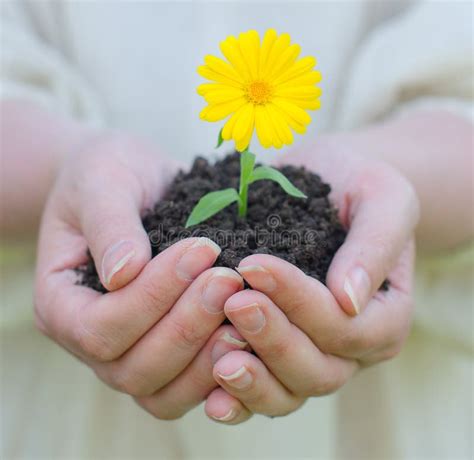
(195, 383)
(245, 377)
(382, 215)
(310, 306)
(162, 354)
(109, 219)
(103, 327)
(287, 352)
(224, 408)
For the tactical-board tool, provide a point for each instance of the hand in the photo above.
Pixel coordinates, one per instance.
(310, 339)
(157, 333)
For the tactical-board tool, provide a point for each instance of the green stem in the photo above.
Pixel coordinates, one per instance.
(247, 163)
(243, 203)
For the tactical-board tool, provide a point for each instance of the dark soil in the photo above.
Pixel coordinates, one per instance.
(305, 232)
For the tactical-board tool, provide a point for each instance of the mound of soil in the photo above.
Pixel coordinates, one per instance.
(305, 232)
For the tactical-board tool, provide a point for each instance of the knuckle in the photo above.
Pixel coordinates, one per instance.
(188, 335)
(153, 298)
(355, 342)
(322, 386)
(159, 411)
(278, 350)
(291, 406)
(121, 379)
(391, 351)
(94, 346)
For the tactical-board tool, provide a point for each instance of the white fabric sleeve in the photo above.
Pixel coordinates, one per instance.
(33, 69)
(422, 58)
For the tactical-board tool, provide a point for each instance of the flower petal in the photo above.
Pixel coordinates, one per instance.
(224, 68)
(308, 78)
(285, 61)
(276, 140)
(295, 126)
(242, 143)
(216, 112)
(298, 92)
(281, 44)
(262, 123)
(267, 44)
(231, 50)
(206, 72)
(300, 67)
(306, 104)
(242, 124)
(223, 95)
(206, 88)
(298, 114)
(249, 43)
(228, 129)
(281, 127)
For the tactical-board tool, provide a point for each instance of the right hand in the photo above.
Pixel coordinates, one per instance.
(158, 332)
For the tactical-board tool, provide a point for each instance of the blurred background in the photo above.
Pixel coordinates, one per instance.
(131, 65)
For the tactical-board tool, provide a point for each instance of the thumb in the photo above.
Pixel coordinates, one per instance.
(118, 242)
(384, 218)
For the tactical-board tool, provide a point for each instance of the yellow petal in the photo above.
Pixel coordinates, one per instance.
(217, 112)
(224, 95)
(206, 88)
(230, 124)
(308, 78)
(267, 44)
(210, 74)
(242, 124)
(262, 125)
(298, 114)
(300, 67)
(249, 43)
(242, 144)
(306, 104)
(276, 140)
(298, 92)
(231, 50)
(285, 61)
(284, 132)
(281, 44)
(222, 67)
(296, 127)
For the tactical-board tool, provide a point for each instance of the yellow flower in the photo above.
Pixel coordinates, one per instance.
(261, 85)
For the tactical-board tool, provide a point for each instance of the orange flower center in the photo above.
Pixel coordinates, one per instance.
(258, 92)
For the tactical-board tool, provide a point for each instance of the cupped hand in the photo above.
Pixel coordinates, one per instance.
(310, 339)
(158, 331)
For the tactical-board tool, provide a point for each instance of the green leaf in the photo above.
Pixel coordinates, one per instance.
(211, 204)
(220, 139)
(265, 172)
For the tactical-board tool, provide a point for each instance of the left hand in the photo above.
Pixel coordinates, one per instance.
(310, 339)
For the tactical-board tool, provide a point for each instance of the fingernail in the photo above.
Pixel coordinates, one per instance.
(258, 277)
(227, 417)
(357, 287)
(223, 283)
(224, 345)
(115, 258)
(249, 318)
(240, 379)
(197, 258)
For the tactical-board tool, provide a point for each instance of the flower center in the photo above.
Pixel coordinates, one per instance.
(258, 92)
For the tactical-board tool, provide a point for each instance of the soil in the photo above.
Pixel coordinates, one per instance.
(305, 232)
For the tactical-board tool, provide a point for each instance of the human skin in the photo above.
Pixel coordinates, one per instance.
(96, 201)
